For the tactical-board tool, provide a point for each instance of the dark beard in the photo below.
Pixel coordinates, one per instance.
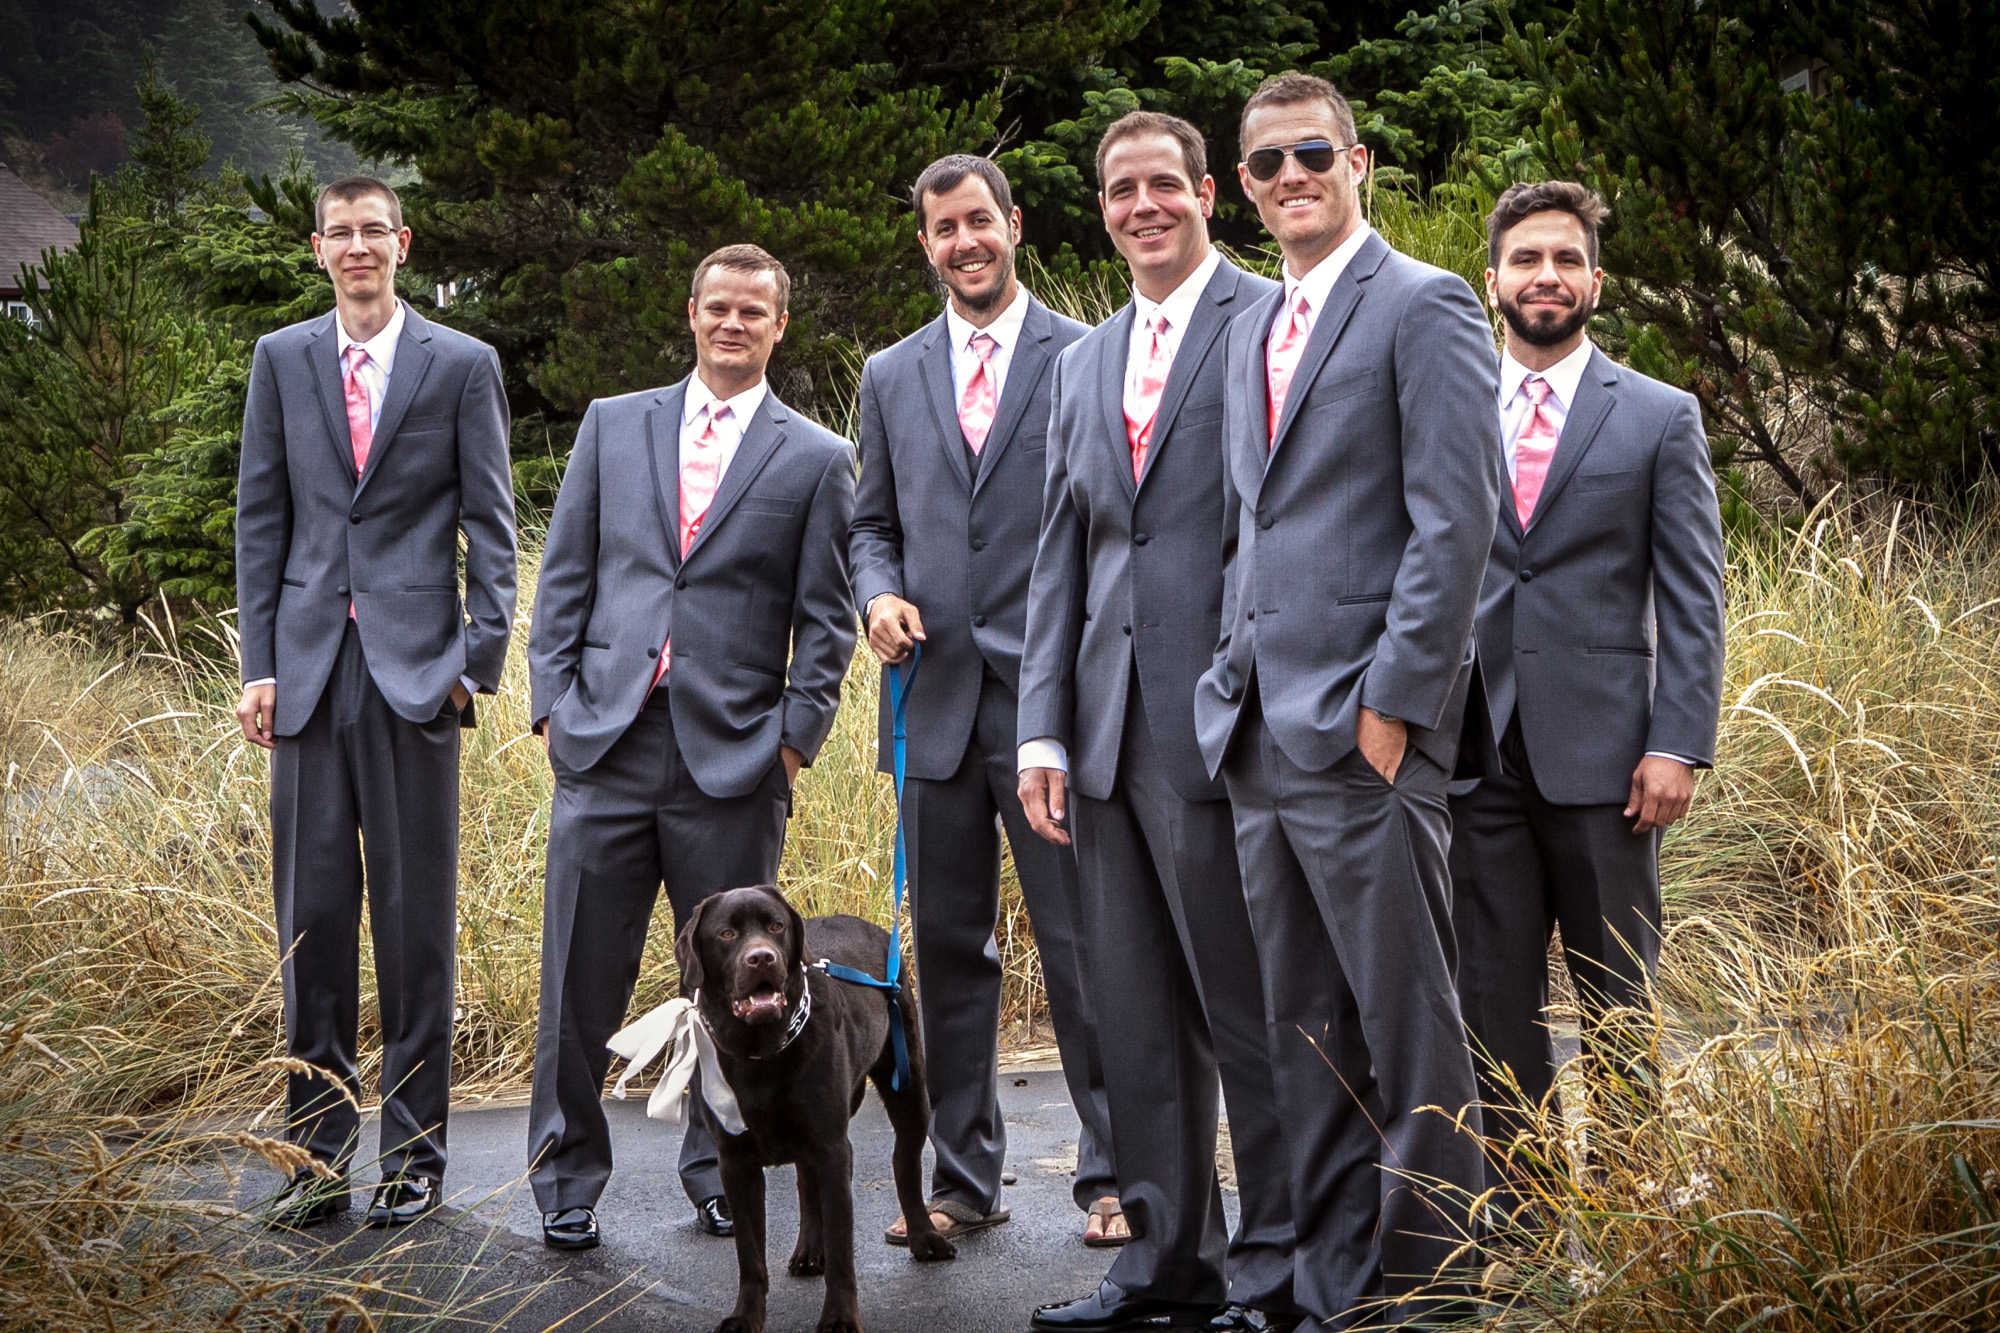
(1537, 333)
(991, 301)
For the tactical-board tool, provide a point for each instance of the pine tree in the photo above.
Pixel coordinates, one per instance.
(1817, 262)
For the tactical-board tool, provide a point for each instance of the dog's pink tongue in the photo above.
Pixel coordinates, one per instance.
(758, 1002)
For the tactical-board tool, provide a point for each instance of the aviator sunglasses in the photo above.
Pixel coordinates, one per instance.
(1315, 155)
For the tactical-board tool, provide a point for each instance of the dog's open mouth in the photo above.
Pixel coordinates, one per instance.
(758, 1003)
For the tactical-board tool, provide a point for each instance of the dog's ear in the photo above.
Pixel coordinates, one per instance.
(795, 929)
(687, 949)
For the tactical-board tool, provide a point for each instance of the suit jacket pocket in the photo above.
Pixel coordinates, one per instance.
(293, 583)
(1619, 652)
(1334, 391)
(592, 643)
(417, 425)
(1606, 481)
(430, 587)
(1200, 414)
(761, 669)
(1362, 600)
(764, 504)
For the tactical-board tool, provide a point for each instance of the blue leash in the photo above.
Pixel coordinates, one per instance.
(900, 678)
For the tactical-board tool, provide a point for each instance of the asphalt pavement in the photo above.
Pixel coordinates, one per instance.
(656, 1273)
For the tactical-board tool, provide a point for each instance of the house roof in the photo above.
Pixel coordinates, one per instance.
(29, 224)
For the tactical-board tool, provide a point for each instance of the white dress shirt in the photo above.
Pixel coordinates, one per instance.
(1317, 284)
(1005, 332)
(381, 363)
(728, 430)
(1565, 377)
(1046, 751)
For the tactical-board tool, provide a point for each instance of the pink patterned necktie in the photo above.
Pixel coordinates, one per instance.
(701, 472)
(1533, 448)
(1282, 359)
(361, 434)
(976, 406)
(1142, 394)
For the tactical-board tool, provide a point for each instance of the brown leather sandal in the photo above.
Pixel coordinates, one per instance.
(1104, 1210)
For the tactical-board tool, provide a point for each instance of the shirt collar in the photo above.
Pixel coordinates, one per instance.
(1006, 330)
(1564, 377)
(1180, 303)
(1318, 283)
(381, 348)
(742, 407)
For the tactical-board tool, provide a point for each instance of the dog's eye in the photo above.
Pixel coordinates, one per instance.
(777, 927)
(728, 934)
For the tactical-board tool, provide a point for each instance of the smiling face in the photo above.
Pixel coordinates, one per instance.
(1308, 213)
(1545, 287)
(970, 245)
(360, 247)
(737, 324)
(1156, 216)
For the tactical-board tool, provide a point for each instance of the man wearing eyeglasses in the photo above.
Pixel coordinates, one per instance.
(1364, 476)
(372, 439)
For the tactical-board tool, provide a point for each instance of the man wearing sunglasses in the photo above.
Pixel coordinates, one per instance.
(1123, 613)
(1364, 477)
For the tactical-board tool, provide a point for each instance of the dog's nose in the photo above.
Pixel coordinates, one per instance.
(761, 956)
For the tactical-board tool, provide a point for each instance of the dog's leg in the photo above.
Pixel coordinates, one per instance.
(841, 1311)
(909, 1111)
(743, 1186)
(809, 1255)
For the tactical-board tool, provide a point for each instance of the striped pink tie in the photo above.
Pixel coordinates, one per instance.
(978, 405)
(1282, 359)
(1142, 395)
(701, 473)
(360, 432)
(1533, 448)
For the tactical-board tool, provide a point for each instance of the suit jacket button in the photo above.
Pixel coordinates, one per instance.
(1265, 523)
(1140, 539)
(354, 518)
(1527, 576)
(1249, 615)
(341, 590)
(652, 652)
(680, 583)
(979, 622)
(978, 543)
(1127, 629)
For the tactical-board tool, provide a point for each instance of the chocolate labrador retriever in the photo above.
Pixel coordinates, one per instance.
(796, 1047)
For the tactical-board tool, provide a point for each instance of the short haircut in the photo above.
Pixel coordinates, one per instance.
(1291, 88)
(349, 188)
(948, 173)
(1519, 201)
(1194, 148)
(746, 259)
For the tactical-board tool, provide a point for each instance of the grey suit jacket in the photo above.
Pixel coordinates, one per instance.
(1604, 621)
(1363, 531)
(760, 614)
(311, 537)
(959, 546)
(1132, 573)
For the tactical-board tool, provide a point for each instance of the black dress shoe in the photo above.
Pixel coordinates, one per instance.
(1246, 1319)
(1109, 1308)
(571, 1229)
(401, 1200)
(307, 1200)
(712, 1216)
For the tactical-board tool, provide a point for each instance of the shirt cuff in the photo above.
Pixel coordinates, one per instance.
(1677, 758)
(472, 686)
(268, 680)
(1043, 752)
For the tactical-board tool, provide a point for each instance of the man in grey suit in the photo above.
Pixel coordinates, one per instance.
(692, 625)
(372, 439)
(954, 429)
(1600, 659)
(1123, 614)
(1364, 480)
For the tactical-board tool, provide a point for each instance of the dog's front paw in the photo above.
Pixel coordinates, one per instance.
(737, 1323)
(929, 1247)
(807, 1262)
(829, 1323)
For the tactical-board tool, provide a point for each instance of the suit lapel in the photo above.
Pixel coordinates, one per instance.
(1249, 453)
(1593, 404)
(663, 453)
(1024, 372)
(765, 433)
(413, 362)
(1113, 352)
(1210, 318)
(944, 402)
(1327, 328)
(323, 352)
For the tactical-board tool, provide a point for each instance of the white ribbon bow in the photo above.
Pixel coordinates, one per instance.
(678, 1026)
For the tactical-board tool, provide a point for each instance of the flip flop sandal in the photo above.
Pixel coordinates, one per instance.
(1104, 1210)
(965, 1219)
